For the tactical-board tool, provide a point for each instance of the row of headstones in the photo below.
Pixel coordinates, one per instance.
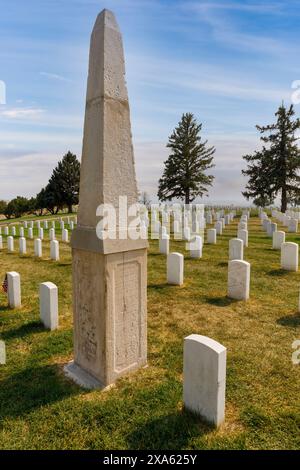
(48, 295)
(289, 250)
(189, 215)
(221, 212)
(54, 247)
(188, 233)
(221, 223)
(185, 225)
(292, 214)
(290, 222)
(205, 359)
(196, 219)
(32, 223)
(212, 216)
(193, 212)
(52, 235)
(175, 261)
(239, 273)
(196, 241)
(180, 231)
(204, 369)
(238, 269)
(12, 230)
(183, 222)
(238, 284)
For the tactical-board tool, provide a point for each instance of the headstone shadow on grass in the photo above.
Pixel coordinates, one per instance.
(155, 254)
(172, 431)
(24, 330)
(290, 320)
(161, 286)
(223, 264)
(278, 272)
(4, 308)
(220, 301)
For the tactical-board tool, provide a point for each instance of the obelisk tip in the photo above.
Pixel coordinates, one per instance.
(106, 19)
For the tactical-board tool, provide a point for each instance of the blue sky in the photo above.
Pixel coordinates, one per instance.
(229, 62)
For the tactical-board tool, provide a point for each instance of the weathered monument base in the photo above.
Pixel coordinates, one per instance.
(82, 378)
(110, 335)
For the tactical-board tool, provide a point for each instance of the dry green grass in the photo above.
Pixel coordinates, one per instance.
(40, 409)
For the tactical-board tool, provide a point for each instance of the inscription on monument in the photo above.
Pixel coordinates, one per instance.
(127, 323)
(88, 341)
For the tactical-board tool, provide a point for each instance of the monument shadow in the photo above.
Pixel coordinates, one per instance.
(33, 388)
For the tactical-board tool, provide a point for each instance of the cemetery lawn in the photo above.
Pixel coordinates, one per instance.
(41, 409)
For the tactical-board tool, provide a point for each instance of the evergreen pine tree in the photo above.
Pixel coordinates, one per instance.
(183, 175)
(40, 201)
(63, 186)
(275, 169)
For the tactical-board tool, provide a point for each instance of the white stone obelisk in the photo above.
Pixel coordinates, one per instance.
(110, 275)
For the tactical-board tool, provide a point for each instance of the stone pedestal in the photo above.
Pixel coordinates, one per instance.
(110, 330)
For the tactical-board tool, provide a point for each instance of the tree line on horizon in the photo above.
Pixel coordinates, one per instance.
(62, 191)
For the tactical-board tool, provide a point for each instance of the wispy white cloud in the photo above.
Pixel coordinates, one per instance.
(58, 142)
(22, 113)
(226, 31)
(54, 76)
(254, 7)
(43, 118)
(30, 173)
(203, 77)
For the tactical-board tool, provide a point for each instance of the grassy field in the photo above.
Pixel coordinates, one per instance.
(41, 409)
